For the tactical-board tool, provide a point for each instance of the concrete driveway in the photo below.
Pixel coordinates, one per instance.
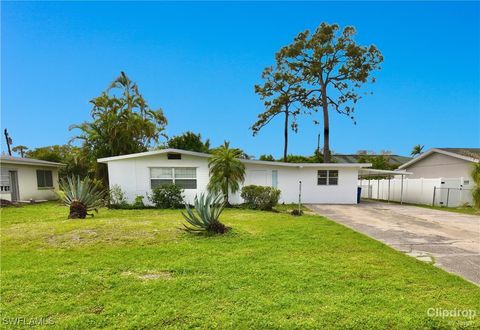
(450, 240)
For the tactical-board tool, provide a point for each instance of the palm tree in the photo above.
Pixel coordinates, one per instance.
(226, 170)
(417, 150)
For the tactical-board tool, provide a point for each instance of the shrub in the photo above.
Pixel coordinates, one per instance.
(138, 202)
(168, 196)
(207, 211)
(81, 195)
(117, 197)
(296, 212)
(260, 198)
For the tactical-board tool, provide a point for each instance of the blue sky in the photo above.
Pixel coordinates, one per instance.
(200, 61)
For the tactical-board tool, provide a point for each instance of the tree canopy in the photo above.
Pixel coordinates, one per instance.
(122, 122)
(226, 170)
(189, 141)
(327, 69)
(282, 93)
(76, 160)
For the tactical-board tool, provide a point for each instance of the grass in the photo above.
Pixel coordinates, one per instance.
(136, 269)
(460, 209)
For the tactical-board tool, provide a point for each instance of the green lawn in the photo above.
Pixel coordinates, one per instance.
(136, 269)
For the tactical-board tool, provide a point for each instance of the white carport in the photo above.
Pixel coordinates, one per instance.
(369, 173)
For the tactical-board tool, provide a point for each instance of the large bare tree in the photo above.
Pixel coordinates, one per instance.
(334, 69)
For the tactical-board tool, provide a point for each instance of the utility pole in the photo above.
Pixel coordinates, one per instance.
(318, 144)
(9, 141)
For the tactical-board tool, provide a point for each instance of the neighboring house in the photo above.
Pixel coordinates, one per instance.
(443, 163)
(137, 174)
(26, 179)
(440, 176)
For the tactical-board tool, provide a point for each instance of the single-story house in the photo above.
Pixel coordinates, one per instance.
(136, 174)
(443, 163)
(26, 179)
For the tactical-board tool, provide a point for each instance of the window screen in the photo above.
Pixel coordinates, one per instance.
(327, 178)
(184, 177)
(44, 179)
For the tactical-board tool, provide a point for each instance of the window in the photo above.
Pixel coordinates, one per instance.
(275, 179)
(44, 179)
(327, 178)
(184, 177)
(174, 156)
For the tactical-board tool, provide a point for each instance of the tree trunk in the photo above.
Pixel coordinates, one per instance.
(78, 210)
(226, 196)
(285, 132)
(326, 128)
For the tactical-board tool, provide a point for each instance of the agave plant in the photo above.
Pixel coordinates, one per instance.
(81, 195)
(208, 208)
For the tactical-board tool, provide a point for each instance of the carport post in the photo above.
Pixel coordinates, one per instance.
(401, 191)
(378, 188)
(389, 178)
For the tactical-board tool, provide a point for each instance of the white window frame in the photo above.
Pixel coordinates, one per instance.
(328, 177)
(173, 178)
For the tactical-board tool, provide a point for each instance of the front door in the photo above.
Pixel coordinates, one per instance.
(14, 193)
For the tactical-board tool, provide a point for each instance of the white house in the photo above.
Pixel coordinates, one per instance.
(25, 179)
(440, 176)
(137, 173)
(443, 163)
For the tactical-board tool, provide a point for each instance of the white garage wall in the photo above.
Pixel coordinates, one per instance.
(133, 176)
(457, 191)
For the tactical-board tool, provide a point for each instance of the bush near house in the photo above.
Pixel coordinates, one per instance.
(168, 196)
(259, 197)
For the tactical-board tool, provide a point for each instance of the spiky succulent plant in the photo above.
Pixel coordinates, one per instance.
(81, 195)
(208, 208)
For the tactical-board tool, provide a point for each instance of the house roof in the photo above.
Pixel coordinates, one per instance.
(5, 159)
(246, 161)
(353, 158)
(468, 154)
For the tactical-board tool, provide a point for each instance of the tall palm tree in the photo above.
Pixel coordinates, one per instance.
(417, 150)
(226, 170)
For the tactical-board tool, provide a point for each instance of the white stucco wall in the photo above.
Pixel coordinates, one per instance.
(27, 182)
(133, 176)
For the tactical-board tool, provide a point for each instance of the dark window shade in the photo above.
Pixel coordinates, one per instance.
(44, 179)
(322, 181)
(160, 182)
(174, 156)
(186, 183)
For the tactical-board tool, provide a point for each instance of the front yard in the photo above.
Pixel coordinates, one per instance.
(136, 269)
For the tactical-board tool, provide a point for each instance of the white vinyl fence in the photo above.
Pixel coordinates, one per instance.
(438, 191)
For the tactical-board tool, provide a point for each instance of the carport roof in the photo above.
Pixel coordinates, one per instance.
(375, 172)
